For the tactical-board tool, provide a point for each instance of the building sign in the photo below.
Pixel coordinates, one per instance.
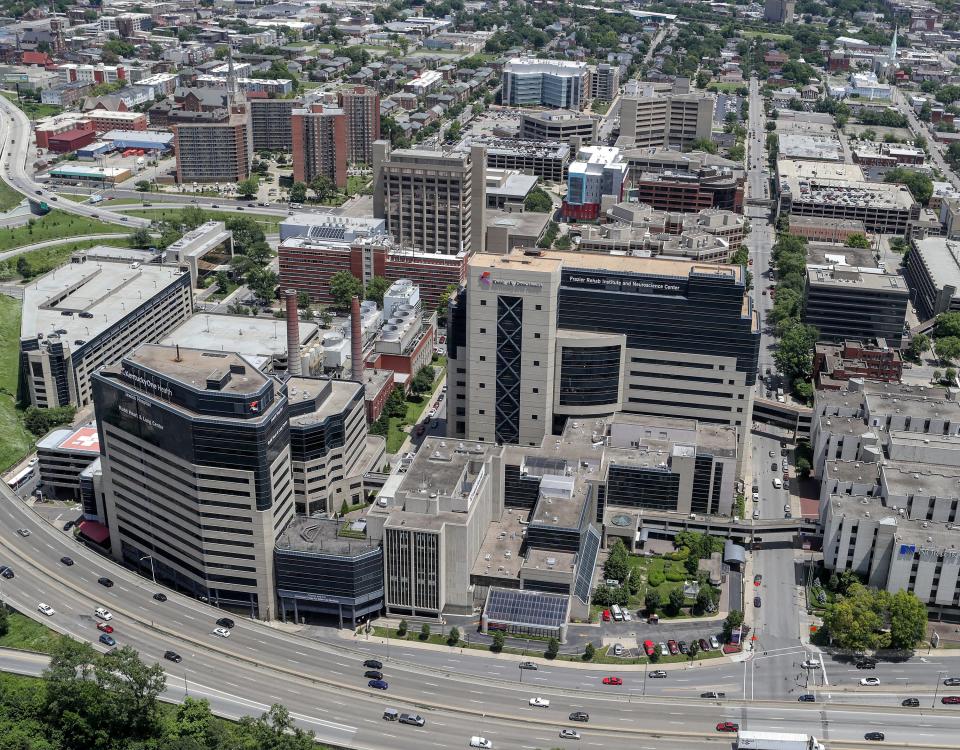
(630, 284)
(147, 384)
(487, 281)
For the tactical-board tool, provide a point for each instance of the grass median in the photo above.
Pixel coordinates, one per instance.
(17, 441)
(28, 635)
(55, 225)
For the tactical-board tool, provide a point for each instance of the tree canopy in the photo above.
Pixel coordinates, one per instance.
(344, 286)
(866, 618)
(919, 184)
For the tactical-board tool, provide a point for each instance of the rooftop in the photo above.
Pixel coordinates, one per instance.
(839, 184)
(320, 536)
(941, 257)
(193, 367)
(252, 337)
(536, 65)
(853, 277)
(79, 301)
(803, 146)
(327, 397)
(500, 551)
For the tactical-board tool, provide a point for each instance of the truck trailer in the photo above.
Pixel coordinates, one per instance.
(776, 741)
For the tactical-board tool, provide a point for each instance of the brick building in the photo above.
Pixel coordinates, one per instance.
(319, 137)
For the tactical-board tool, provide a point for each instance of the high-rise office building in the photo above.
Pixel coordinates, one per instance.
(319, 136)
(650, 117)
(604, 82)
(778, 11)
(196, 470)
(361, 105)
(551, 83)
(536, 338)
(270, 119)
(432, 201)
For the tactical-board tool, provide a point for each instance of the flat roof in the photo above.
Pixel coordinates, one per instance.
(103, 291)
(852, 277)
(941, 258)
(340, 393)
(320, 536)
(192, 367)
(499, 555)
(246, 335)
(829, 183)
(803, 146)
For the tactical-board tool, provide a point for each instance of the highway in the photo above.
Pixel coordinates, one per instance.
(16, 151)
(460, 694)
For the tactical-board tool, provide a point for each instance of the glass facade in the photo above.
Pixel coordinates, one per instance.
(637, 487)
(347, 585)
(519, 491)
(702, 313)
(700, 495)
(509, 343)
(590, 376)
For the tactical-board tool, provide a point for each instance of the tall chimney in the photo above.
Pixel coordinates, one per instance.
(356, 344)
(293, 333)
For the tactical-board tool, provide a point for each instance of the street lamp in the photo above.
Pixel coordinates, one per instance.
(153, 572)
(936, 689)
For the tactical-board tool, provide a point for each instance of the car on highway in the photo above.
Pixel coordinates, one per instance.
(103, 614)
(952, 681)
(911, 702)
(807, 698)
(950, 700)
(373, 664)
(46, 609)
(528, 665)
(869, 681)
(23, 532)
(756, 602)
(540, 702)
(728, 726)
(102, 626)
(811, 664)
(672, 646)
(481, 742)
(104, 581)
(612, 680)
(373, 674)
(570, 734)
(772, 454)
(658, 674)
(579, 716)
(160, 597)
(68, 561)
(108, 640)
(226, 622)
(414, 720)
(6, 571)
(172, 656)
(378, 684)
(757, 579)
(68, 525)
(222, 632)
(876, 736)
(866, 664)
(713, 694)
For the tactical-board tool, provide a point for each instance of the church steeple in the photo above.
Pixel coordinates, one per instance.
(893, 46)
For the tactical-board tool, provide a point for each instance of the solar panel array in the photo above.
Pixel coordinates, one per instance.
(528, 608)
(324, 232)
(588, 559)
(539, 466)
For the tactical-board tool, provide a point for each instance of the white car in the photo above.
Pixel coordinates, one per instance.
(714, 643)
(222, 632)
(46, 609)
(756, 497)
(481, 742)
(103, 614)
(541, 702)
(869, 681)
(811, 664)
(617, 650)
(570, 734)
(627, 617)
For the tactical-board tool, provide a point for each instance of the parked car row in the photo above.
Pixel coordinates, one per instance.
(674, 647)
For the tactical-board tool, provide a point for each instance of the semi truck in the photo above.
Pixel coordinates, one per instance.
(777, 741)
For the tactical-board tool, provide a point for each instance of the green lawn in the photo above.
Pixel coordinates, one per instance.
(16, 440)
(766, 35)
(270, 223)
(725, 88)
(646, 565)
(9, 198)
(358, 184)
(396, 435)
(28, 635)
(55, 225)
(31, 108)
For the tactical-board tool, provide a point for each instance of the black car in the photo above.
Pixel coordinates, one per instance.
(6, 571)
(226, 622)
(713, 694)
(68, 525)
(104, 581)
(806, 698)
(66, 560)
(373, 674)
(866, 664)
(682, 645)
(160, 597)
(373, 664)
(756, 601)
(952, 681)
(911, 703)
(173, 656)
(874, 736)
(579, 716)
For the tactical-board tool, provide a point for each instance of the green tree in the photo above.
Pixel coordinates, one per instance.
(948, 324)
(657, 653)
(454, 637)
(538, 201)
(803, 467)
(731, 622)
(652, 601)
(442, 303)
(323, 187)
(794, 357)
(617, 564)
(908, 620)
(344, 508)
(144, 186)
(396, 405)
(402, 628)
(948, 349)
(703, 78)
(298, 192)
(694, 649)
(704, 601)
(129, 690)
(919, 345)
(191, 217)
(553, 648)
(248, 187)
(303, 300)
(424, 632)
(498, 641)
(40, 420)
(675, 600)
(919, 184)
(344, 286)
(141, 237)
(4, 621)
(859, 240)
(704, 144)
(376, 289)
(453, 132)
(854, 622)
(263, 283)
(273, 730)
(423, 381)
(195, 726)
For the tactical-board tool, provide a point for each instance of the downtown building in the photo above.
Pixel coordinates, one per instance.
(650, 117)
(270, 121)
(214, 147)
(548, 83)
(361, 106)
(596, 179)
(539, 338)
(319, 135)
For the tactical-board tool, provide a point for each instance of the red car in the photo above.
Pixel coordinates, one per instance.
(728, 726)
(950, 700)
(648, 648)
(612, 681)
(104, 627)
(606, 615)
(672, 647)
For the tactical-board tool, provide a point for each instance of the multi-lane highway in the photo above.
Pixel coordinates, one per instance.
(460, 694)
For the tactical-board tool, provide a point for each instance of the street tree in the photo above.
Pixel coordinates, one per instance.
(143, 186)
(919, 345)
(453, 638)
(298, 192)
(589, 651)
(553, 648)
(794, 356)
(498, 641)
(908, 620)
(675, 600)
(376, 289)
(248, 187)
(653, 601)
(344, 286)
